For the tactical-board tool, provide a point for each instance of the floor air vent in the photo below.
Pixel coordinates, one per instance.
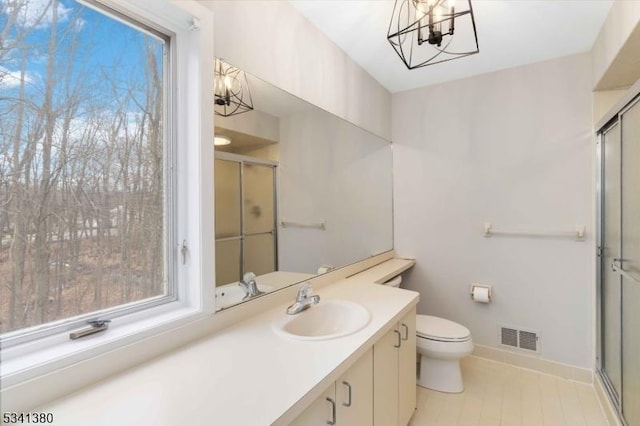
(519, 339)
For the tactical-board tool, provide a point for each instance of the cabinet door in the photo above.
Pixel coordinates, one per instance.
(320, 412)
(354, 393)
(385, 379)
(407, 368)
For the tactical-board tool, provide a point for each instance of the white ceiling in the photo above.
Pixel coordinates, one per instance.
(510, 33)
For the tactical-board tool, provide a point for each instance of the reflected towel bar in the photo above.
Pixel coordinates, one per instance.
(319, 225)
(578, 234)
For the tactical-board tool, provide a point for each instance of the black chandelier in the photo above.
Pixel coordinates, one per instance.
(231, 90)
(421, 31)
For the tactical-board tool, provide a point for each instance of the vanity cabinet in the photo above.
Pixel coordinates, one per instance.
(346, 402)
(394, 367)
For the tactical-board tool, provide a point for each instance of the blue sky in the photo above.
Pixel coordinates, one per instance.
(106, 49)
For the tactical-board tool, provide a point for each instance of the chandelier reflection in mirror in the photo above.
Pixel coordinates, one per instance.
(231, 90)
(422, 31)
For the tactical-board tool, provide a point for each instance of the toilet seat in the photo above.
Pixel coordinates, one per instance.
(440, 329)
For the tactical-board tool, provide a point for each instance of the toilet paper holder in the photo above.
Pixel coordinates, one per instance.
(480, 289)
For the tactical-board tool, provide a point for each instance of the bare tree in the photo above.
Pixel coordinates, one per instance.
(81, 173)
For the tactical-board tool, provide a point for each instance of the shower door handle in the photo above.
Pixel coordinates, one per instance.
(618, 268)
(616, 264)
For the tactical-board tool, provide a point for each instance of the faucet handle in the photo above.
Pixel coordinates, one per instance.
(305, 290)
(248, 277)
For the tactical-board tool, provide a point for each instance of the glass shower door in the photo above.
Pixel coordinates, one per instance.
(630, 264)
(259, 218)
(228, 225)
(610, 250)
(245, 217)
(620, 262)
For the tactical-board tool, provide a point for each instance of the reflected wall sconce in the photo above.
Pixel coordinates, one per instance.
(422, 31)
(231, 90)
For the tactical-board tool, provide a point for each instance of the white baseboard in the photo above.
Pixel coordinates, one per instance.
(579, 374)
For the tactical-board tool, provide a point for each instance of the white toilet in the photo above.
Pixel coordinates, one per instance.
(441, 344)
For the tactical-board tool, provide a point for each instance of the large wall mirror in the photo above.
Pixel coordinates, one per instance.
(298, 192)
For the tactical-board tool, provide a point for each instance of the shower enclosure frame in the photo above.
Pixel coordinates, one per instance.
(242, 160)
(608, 123)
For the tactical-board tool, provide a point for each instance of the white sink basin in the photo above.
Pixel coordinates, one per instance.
(329, 319)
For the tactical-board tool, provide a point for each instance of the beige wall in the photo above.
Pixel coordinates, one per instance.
(256, 123)
(615, 57)
(269, 152)
(603, 101)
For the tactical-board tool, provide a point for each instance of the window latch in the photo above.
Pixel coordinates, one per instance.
(194, 24)
(95, 326)
(184, 250)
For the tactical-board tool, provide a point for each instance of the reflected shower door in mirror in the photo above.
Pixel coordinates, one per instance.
(245, 228)
(298, 192)
(245, 223)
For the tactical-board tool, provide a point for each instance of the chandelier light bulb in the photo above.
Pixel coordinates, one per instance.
(422, 7)
(437, 14)
(231, 90)
(424, 32)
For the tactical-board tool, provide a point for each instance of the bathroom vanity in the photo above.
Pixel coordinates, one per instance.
(379, 389)
(248, 374)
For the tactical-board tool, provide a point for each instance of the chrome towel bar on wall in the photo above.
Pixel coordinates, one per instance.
(577, 234)
(291, 224)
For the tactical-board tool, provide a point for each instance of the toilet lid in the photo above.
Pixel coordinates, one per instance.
(436, 328)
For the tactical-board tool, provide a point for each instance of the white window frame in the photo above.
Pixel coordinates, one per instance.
(192, 130)
(41, 331)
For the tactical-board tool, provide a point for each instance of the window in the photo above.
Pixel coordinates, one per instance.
(85, 167)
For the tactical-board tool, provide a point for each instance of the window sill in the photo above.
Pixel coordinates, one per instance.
(27, 361)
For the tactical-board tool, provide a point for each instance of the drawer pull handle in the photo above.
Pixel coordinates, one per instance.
(333, 412)
(406, 331)
(399, 339)
(347, 404)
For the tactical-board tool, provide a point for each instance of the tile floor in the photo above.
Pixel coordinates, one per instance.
(501, 394)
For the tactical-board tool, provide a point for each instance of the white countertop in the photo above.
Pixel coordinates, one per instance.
(383, 272)
(243, 375)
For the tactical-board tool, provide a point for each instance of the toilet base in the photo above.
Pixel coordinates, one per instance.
(441, 375)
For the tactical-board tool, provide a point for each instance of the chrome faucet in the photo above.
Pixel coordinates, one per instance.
(248, 284)
(304, 300)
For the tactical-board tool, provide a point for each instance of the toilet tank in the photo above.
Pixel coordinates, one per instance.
(395, 281)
